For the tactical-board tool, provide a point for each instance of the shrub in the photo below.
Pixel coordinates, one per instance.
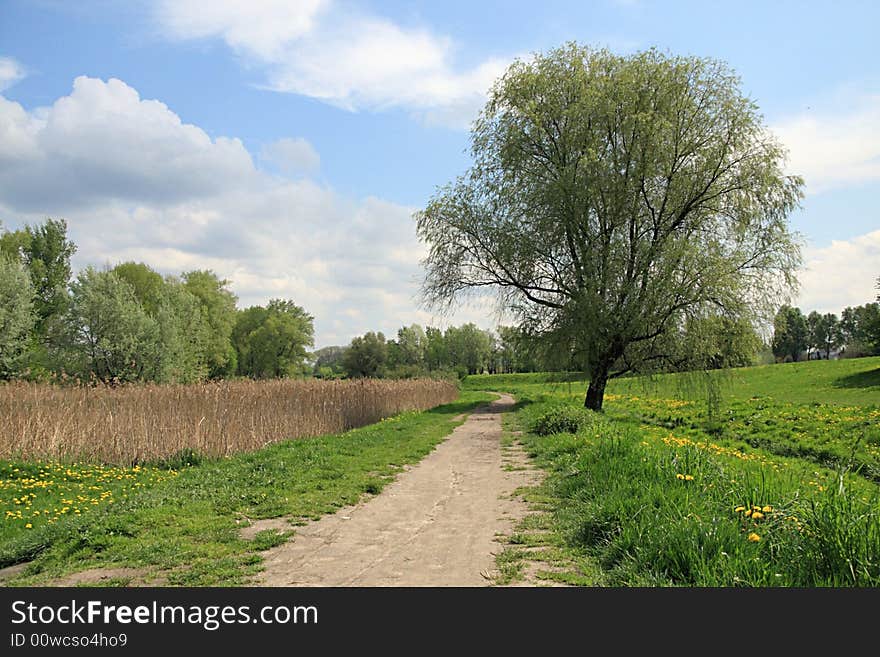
(562, 419)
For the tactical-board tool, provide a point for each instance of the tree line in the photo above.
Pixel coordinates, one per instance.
(129, 323)
(416, 351)
(710, 342)
(855, 333)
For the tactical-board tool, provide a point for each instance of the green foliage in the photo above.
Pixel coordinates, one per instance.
(184, 335)
(13, 244)
(715, 342)
(823, 333)
(146, 283)
(468, 347)
(790, 333)
(47, 254)
(860, 330)
(611, 197)
(366, 356)
(17, 316)
(327, 362)
(218, 306)
(109, 335)
(410, 346)
(562, 419)
(271, 342)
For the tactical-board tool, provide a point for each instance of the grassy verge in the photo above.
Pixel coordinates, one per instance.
(650, 507)
(537, 551)
(185, 529)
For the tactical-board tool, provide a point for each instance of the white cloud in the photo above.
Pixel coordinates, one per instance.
(351, 60)
(840, 275)
(834, 149)
(136, 183)
(292, 156)
(103, 141)
(261, 28)
(10, 72)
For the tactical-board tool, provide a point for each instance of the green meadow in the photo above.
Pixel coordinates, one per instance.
(764, 476)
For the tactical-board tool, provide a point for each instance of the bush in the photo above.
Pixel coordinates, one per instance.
(562, 419)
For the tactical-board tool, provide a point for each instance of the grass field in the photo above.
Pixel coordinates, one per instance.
(770, 480)
(182, 527)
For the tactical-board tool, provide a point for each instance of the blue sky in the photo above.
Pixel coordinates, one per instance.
(286, 144)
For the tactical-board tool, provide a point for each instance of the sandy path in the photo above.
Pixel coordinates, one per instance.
(435, 525)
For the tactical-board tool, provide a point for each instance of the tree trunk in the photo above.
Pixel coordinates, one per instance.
(596, 391)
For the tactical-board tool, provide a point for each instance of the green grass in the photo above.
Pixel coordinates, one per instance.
(846, 382)
(656, 490)
(185, 529)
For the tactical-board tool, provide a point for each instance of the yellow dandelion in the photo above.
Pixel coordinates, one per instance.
(757, 515)
(754, 538)
(767, 508)
(28, 526)
(739, 509)
(679, 476)
(748, 513)
(689, 477)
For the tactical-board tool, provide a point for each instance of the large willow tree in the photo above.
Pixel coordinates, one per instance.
(612, 198)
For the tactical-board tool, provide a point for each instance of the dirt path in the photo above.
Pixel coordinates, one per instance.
(434, 526)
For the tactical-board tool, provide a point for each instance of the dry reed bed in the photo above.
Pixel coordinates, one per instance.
(141, 423)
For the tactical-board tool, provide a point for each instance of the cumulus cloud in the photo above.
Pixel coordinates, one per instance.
(841, 274)
(349, 59)
(103, 141)
(292, 156)
(10, 72)
(834, 149)
(136, 183)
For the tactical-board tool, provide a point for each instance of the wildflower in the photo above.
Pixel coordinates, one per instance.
(689, 477)
(28, 526)
(767, 508)
(757, 515)
(739, 509)
(754, 538)
(679, 476)
(748, 513)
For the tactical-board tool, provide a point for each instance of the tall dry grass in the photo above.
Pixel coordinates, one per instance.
(140, 423)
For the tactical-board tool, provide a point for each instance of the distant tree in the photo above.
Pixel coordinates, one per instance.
(789, 333)
(469, 348)
(436, 352)
(184, 334)
(271, 342)
(17, 316)
(411, 344)
(45, 252)
(110, 335)
(327, 362)
(47, 257)
(860, 330)
(611, 197)
(148, 284)
(816, 331)
(367, 356)
(831, 337)
(519, 351)
(218, 306)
